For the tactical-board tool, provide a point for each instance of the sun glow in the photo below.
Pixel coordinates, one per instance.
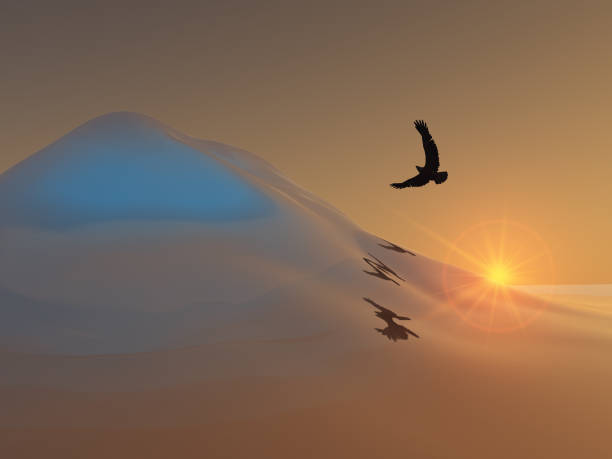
(499, 274)
(481, 266)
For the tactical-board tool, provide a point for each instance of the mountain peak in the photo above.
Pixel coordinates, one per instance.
(125, 166)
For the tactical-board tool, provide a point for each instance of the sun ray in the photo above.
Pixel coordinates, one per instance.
(473, 284)
(531, 259)
(492, 313)
(475, 304)
(482, 253)
(502, 240)
(490, 246)
(515, 311)
(504, 253)
(449, 245)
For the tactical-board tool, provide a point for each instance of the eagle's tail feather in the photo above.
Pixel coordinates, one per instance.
(440, 177)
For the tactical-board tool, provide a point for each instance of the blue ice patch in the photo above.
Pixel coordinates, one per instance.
(125, 167)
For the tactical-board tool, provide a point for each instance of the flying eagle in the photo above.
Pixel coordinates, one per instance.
(432, 161)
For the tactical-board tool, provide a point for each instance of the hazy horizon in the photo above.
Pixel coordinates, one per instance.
(515, 95)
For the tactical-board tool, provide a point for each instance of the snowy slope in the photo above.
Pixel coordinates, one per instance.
(149, 280)
(140, 238)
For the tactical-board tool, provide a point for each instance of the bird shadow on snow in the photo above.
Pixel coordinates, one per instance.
(396, 248)
(393, 331)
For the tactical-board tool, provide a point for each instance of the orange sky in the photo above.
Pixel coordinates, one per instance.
(517, 96)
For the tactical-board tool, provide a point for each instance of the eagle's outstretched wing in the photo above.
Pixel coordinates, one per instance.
(417, 180)
(432, 160)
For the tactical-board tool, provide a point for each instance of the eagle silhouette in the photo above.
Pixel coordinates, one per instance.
(432, 162)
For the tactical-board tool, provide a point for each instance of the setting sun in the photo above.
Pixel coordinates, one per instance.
(491, 257)
(498, 274)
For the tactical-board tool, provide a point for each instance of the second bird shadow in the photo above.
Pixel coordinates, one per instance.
(393, 331)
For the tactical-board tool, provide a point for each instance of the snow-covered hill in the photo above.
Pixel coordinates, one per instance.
(149, 280)
(127, 236)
